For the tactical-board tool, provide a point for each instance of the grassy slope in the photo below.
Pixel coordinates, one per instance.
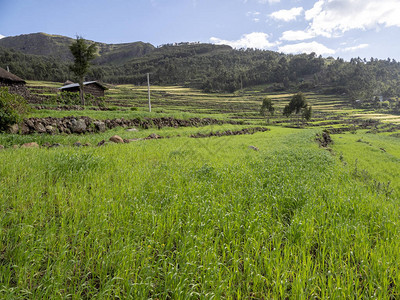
(198, 218)
(201, 218)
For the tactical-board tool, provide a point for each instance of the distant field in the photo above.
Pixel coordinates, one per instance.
(204, 218)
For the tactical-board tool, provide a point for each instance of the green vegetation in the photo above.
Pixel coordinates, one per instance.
(180, 218)
(267, 107)
(298, 104)
(268, 215)
(12, 109)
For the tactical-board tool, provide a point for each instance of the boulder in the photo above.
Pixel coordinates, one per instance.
(78, 126)
(100, 126)
(116, 139)
(154, 136)
(56, 145)
(131, 129)
(24, 129)
(39, 128)
(29, 123)
(131, 140)
(77, 144)
(1, 147)
(50, 129)
(30, 145)
(13, 129)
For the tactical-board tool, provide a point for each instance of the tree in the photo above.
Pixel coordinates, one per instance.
(307, 113)
(298, 104)
(267, 107)
(83, 54)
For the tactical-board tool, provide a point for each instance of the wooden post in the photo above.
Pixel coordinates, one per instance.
(148, 89)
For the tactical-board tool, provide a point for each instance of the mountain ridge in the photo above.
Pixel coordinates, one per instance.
(57, 46)
(210, 67)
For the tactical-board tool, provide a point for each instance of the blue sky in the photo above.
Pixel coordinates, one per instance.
(338, 28)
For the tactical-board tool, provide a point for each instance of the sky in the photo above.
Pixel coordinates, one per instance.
(337, 28)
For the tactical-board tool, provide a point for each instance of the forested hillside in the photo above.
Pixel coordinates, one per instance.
(209, 67)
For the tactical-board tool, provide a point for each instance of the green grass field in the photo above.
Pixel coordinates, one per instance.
(206, 218)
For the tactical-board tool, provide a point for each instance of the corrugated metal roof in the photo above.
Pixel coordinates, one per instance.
(72, 85)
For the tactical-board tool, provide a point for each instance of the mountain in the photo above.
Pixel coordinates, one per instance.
(57, 46)
(213, 68)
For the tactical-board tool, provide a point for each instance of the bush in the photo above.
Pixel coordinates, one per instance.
(12, 109)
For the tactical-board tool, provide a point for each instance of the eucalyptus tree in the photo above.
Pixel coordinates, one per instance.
(83, 54)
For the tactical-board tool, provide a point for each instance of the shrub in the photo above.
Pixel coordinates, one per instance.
(68, 98)
(12, 109)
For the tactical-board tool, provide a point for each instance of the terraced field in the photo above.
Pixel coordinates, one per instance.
(223, 211)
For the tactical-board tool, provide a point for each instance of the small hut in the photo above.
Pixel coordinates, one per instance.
(89, 87)
(15, 84)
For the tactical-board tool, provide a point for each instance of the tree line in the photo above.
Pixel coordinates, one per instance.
(216, 68)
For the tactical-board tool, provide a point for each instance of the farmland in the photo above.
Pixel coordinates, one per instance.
(181, 217)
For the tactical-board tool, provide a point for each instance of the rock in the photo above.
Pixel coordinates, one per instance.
(78, 126)
(101, 143)
(29, 123)
(87, 145)
(116, 139)
(154, 136)
(100, 126)
(56, 145)
(15, 146)
(131, 129)
(13, 129)
(77, 144)
(1, 147)
(131, 140)
(50, 129)
(325, 140)
(47, 144)
(30, 145)
(39, 128)
(254, 148)
(24, 129)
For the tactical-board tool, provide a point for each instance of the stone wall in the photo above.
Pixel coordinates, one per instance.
(19, 89)
(68, 125)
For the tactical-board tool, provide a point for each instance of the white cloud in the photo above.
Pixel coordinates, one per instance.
(2, 36)
(297, 35)
(306, 48)
(258, 40)
(254, 15)
(287, 14)
(268, 1)
(354, 48)
(333, 17)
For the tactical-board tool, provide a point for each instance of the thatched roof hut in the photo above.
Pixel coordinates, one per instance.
(68, 82)
(7, 78)
(14, 84)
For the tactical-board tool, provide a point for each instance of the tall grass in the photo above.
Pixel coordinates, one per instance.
(194, 218)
